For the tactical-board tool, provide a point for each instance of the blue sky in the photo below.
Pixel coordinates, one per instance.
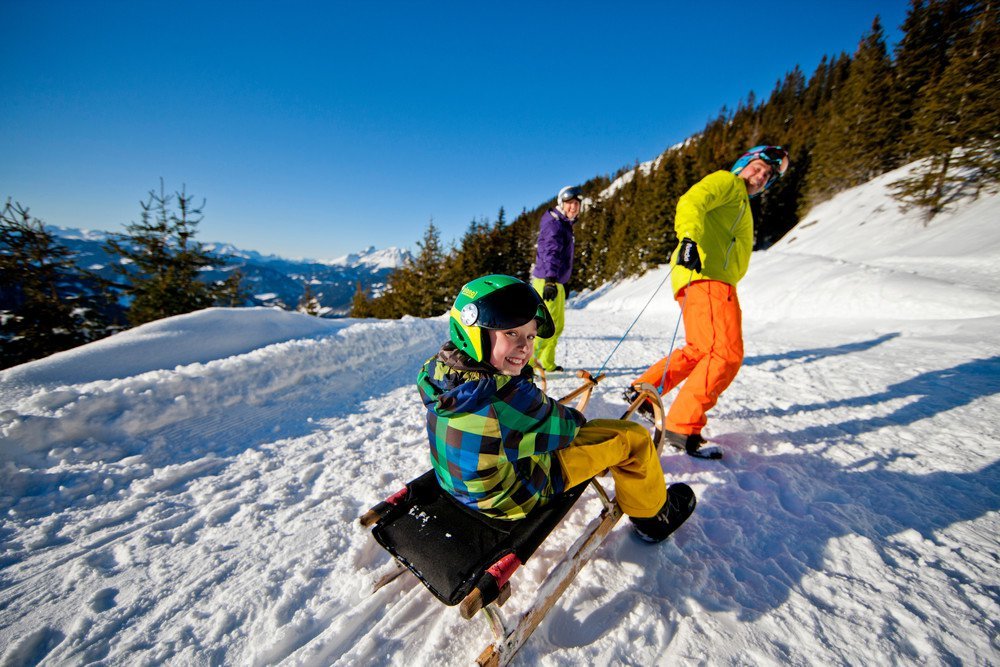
(316, 129)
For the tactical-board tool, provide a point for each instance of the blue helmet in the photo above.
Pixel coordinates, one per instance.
(774, 156)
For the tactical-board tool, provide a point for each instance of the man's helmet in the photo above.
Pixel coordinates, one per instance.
(775, 156)
(494, 302)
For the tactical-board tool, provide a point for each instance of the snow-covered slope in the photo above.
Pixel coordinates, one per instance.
(186, 492)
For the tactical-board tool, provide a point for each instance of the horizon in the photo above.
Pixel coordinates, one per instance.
(317, 139)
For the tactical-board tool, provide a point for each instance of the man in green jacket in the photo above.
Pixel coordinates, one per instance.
(715, 225)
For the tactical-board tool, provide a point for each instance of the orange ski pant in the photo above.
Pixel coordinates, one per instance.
(710, 358)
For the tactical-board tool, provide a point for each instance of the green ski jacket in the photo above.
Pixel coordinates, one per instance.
(715, 214)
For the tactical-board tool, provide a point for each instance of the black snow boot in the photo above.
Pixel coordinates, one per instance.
(694, 444)
(645, 410)
(679, 506)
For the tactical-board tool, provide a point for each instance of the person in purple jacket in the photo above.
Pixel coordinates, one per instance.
(553, 267)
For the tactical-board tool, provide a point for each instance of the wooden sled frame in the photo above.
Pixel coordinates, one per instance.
(509, 637)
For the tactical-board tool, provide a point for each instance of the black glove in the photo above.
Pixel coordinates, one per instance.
(550, 291)
(688, 256)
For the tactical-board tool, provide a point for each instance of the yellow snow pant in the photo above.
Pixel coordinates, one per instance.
(626, 449)
(710, 358)
(545, 348)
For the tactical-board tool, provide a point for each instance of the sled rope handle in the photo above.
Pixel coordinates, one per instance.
(584, 391)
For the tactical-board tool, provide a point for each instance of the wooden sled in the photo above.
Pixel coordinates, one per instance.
(465, 558)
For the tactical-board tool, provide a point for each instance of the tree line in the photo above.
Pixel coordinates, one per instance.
(936, 98)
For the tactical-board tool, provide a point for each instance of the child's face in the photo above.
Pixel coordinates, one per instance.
(511, 349)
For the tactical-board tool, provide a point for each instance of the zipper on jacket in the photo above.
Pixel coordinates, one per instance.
(732, 230)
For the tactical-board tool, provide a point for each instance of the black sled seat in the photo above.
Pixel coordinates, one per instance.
(454, 550)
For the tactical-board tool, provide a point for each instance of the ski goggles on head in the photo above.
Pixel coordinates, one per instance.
(568, 194)
(776, 156)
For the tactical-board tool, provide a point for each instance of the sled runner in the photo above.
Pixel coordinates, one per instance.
(466, 558)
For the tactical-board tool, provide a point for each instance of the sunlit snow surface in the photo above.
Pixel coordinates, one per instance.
(186, 492)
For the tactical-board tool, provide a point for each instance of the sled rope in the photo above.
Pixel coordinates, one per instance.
(670, 350)
(625, 335)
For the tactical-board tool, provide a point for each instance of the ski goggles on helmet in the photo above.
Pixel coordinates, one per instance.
(568, 194)
(773, 155)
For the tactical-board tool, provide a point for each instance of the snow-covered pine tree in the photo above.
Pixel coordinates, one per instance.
(309, 302)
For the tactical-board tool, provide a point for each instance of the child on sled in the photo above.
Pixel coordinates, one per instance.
(501, 446)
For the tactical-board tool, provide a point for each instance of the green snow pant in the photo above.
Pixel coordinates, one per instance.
(545, 348)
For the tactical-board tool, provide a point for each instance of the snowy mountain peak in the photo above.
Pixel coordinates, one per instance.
(75, 234)
(389, 258)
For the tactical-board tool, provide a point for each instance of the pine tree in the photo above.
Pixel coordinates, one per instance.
(523, 235)
(851, 147)
(231, 291)
(473, 256)
(621, 258)
(47, 312)
(309, 302)
(161, 262)
(591, 233)
(431, 284)
(920, 57)
(957, 122)
(422, 287)
(361, 304)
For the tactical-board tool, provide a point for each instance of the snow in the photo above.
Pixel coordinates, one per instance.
(186, 492)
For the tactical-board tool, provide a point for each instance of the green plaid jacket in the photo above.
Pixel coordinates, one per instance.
(492, 436)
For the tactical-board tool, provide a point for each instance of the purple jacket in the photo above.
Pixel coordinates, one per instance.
(555, 247)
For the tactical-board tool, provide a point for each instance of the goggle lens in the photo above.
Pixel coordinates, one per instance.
(572, 193)
(776, 156)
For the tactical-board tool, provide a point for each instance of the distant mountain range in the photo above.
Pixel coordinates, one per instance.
(270, 280)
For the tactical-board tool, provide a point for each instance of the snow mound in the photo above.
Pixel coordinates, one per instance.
(202, 336)
(186, 369)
